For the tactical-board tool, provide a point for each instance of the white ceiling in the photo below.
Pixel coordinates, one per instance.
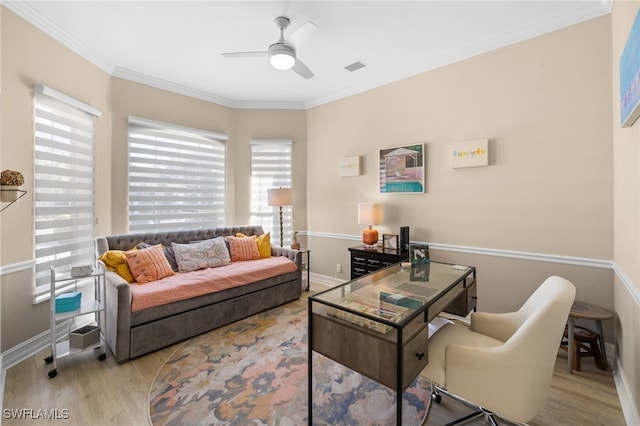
(177, 45)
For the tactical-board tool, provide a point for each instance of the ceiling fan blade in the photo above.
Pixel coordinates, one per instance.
(302, 34)
(302, 70)
(244, 54)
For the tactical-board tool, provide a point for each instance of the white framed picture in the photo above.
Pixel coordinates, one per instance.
(473, 153)
(402, 169)
(349, 166)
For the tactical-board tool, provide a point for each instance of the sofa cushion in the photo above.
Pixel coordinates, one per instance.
(189, 286)
(148, 264)
(116, 261)
(245, 248)
(203, 254)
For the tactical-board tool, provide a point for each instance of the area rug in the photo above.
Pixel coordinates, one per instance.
(254, 372)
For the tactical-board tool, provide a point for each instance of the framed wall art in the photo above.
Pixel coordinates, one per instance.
(349, 166)
(390, 242)
(419, 254)
(630, 77)
(402, 169)
(469, 154)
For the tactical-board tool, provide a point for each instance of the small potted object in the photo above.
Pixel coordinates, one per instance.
(10, 185)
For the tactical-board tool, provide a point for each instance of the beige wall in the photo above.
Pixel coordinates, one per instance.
(271, 124)
(547, 190)
(626, 152)
(133, 99)
(30, 57)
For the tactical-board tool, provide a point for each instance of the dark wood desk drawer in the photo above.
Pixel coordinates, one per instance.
(359, 260)
(465, 302)
(415, 357)
(444, 301)
(372, 260)
(358, 270)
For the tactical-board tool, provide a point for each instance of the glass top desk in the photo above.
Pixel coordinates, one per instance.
(377, 325)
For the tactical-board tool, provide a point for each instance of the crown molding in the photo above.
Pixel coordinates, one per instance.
(582, 12)
(170, 86)
(25, 10)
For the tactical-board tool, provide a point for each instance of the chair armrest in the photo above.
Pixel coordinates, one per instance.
(488, 375)
(498, 326)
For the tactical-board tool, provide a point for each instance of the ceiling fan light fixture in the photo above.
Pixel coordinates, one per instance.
(281, 57)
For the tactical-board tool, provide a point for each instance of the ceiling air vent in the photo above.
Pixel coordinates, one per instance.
(354, 66)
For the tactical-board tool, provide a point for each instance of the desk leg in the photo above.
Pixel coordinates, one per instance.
(571, 342)
(601, 337)
(308, 270)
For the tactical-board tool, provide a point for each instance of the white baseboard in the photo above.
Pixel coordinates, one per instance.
(27, 349)
(326, 280)
(629, 410)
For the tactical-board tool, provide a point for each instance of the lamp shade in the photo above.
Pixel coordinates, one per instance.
(369, 213)
(280, 196)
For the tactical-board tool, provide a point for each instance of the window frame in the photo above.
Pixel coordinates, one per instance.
(269, 173)
(183, 157)
(64, 209)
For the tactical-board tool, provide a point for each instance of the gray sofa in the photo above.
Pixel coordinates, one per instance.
(130, 335)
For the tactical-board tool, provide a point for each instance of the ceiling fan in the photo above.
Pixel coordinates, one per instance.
(282, 54)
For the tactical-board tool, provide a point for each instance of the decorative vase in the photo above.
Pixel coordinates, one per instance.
(295, 245)
(9, 193)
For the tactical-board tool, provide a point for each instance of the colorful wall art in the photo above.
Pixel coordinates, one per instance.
(402, 169)
(473, 153)
(630, 77)
(349, 166)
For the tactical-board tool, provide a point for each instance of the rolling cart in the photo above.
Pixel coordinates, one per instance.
(86, 338)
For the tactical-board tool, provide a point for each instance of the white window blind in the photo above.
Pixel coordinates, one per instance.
(64, 185)
(176, 177)
(271, 163)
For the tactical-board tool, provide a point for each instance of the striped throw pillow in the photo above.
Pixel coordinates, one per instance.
(148, 264)
(245, 248)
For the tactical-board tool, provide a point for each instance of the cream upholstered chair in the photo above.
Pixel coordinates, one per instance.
(503, 363)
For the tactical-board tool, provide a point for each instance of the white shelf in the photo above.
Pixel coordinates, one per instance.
(85, 308)
(61, 348)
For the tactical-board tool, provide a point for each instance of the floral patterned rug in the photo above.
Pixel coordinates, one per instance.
(254, 372)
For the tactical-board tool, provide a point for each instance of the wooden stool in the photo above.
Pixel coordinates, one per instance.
(586, 343)
(586, 311)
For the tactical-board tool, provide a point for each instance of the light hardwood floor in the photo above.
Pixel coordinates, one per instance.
(106, 393)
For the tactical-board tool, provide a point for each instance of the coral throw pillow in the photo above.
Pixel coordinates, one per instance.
(264, 243)
(202, 254)
(245, 248)
(148, 264)
(116, 261)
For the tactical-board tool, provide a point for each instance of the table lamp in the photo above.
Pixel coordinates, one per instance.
(369, 214)
(280, 197)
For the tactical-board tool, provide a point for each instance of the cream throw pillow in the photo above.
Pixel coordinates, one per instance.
(202, 254)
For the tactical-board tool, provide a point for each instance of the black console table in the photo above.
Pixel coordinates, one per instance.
(365, 261)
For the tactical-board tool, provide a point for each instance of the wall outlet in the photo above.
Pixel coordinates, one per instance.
(338, 268)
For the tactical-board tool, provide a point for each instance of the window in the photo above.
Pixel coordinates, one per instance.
(64, 184)
(270, 168)
(176, 177)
